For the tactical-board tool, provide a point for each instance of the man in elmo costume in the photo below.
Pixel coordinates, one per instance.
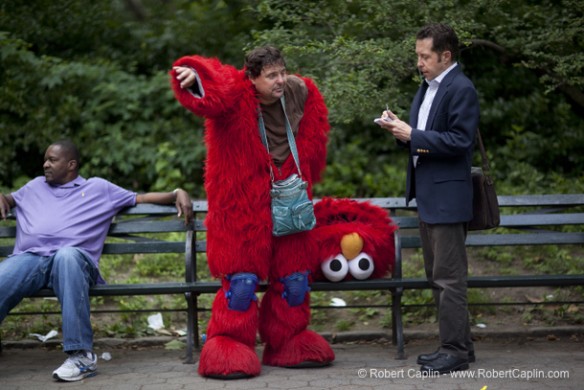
(241, 248)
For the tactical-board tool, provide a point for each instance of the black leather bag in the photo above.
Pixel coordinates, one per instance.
(485, 206)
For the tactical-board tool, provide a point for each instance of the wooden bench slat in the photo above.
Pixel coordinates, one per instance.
(128, 227)
(144, 247)
(7, 231)
(548, 238)
(515, 220)
(541, 219)
(156, 226)
(563, 200)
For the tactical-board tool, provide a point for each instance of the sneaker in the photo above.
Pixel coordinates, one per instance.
(78, 365)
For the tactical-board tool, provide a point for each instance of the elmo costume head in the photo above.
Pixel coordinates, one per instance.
(355, 240)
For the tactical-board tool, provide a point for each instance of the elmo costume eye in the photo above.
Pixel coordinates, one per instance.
(361, 267)
(335, 268)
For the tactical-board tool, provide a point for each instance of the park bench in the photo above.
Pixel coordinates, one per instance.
(525, 220)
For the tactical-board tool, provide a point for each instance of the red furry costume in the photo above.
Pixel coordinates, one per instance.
(239, 239)
(355, 240)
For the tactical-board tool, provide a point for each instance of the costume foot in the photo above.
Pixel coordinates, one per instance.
(310, 364)
(305, 350)
(225, 358)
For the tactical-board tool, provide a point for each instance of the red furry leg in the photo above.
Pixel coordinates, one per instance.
(229, 352)
(288, 342)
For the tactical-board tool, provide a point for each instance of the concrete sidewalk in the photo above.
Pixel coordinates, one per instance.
(502, 363)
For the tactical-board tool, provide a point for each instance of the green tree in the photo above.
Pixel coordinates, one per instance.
(98, 72)
(525, 58)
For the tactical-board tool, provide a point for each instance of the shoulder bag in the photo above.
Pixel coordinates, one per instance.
(292, 210)
(485, 206)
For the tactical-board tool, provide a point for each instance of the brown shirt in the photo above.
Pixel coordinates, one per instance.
(295, 93)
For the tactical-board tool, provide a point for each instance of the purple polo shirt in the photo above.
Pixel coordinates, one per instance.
(76, 214)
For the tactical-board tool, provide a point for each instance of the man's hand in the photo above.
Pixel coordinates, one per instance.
(400, 129)
(185, 75)
(179, 197)
(184, 205)
(6, 203)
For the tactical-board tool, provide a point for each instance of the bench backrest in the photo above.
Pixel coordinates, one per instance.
(527, 219)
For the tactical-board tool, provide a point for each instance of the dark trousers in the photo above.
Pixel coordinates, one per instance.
(446, 266)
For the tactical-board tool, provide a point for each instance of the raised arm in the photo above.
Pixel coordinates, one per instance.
(205, 86)
(179, 197)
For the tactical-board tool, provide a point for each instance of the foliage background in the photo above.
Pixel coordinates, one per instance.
(98, 72)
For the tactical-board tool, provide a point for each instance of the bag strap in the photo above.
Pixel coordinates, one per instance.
(289, 134)
(485, 160)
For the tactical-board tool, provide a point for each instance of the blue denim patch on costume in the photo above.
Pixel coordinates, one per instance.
(241, 291)
(295, 288)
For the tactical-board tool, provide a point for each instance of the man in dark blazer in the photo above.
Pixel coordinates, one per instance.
(440, 138)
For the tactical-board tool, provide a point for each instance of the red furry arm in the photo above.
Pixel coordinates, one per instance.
(217, 81)
(313, 134)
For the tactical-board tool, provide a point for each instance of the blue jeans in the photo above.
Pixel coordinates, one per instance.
(69, 273)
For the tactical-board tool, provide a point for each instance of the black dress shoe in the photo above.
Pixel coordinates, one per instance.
(427, 358)
(445, 364)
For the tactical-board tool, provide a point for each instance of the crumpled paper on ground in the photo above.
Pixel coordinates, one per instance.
(45, 337)
(155, 321)
(338, 302)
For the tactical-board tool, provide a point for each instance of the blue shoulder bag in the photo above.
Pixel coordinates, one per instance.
(292, 210)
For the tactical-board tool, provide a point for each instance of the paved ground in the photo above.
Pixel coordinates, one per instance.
(535, 361)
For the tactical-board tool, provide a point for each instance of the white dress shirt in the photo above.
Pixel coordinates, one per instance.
(428, 99)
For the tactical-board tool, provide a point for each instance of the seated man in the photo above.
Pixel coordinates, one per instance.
(62, 222)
